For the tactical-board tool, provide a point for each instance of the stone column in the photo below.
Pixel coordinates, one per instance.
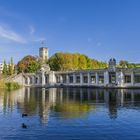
(121, 78)
(81, 79)
(61, 79)
(33, 80)
(88, 78)
(132, 78)
(28, 81)
(67, 79)
(106, 78)
(74, 78)
(43, 78)
(51, 78)
(38, 80)
(97, 82)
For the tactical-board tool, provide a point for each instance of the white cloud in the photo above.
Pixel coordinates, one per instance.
(8, 34)
(32, 30)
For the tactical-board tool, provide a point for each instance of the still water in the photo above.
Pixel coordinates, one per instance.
(70, 114)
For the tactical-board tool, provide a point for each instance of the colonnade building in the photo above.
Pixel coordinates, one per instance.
(111, 77)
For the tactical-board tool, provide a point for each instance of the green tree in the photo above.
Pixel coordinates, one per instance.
(12, 66)
(73, 61)
(4, 68)
(9, 69)
(123, 64)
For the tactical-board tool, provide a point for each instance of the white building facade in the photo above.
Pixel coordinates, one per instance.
(111, 77)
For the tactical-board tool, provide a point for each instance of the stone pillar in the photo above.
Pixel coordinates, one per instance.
(28, 81)
(67, 79)
(33, 80)
(61, 79)
(97, 82)
(52, 78)
(132, 78)
(43, 78)
(106, 78)
(88, 78)
(38, 80)
(81, 79)
(121, 78)
(74, 78)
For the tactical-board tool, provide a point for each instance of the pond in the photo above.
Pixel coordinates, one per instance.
(70, 114)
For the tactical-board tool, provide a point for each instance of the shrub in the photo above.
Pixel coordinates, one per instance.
(12, 85)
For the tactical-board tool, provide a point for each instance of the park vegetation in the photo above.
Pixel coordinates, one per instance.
(29, 64)
(126, 64)
(73, 61)
(60, 62)
(8, 69)
(9, 85)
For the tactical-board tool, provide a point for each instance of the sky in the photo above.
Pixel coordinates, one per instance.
(100, 29)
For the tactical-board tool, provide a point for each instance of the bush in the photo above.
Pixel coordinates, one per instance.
(12, 85)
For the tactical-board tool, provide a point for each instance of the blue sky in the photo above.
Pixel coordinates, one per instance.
(100, 29)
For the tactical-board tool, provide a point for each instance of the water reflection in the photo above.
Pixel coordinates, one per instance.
(67, 103)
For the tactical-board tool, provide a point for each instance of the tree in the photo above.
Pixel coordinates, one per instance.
(12, 66)
(4, 68)
(123, 64)
(82, 62)
(73, 61)
(28, 64)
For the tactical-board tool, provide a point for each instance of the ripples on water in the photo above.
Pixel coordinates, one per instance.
(70, 113)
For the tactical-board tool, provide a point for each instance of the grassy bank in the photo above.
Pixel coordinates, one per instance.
(9, 85)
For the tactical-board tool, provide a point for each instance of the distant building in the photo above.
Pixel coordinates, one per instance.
(1, 67)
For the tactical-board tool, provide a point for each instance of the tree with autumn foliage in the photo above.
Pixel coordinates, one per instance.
(73, 61)
(28, 64)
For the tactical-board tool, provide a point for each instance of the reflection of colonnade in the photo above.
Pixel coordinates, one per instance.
(37, 100)
(8, 99)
